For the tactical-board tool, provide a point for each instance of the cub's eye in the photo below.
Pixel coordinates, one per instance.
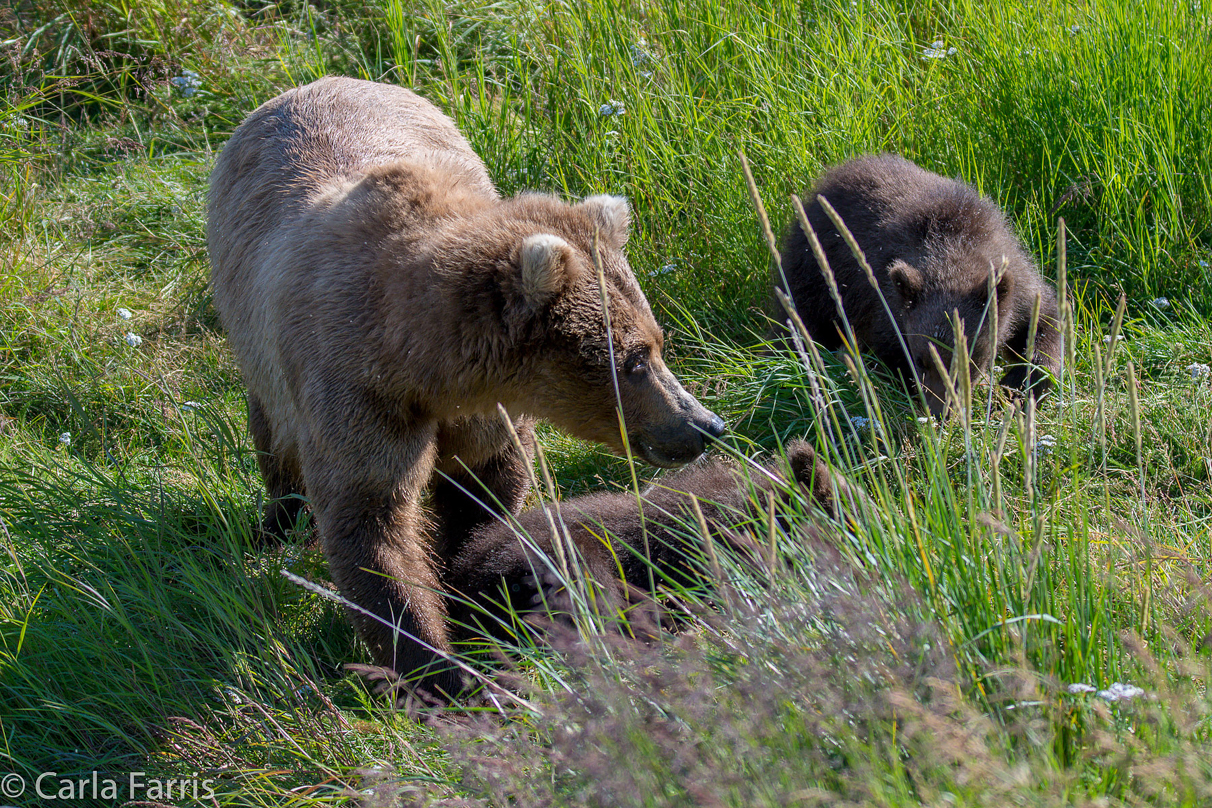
(636, 363)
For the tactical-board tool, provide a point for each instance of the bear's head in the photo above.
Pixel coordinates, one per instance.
(960, 264)
(575, 370)
(932, 307)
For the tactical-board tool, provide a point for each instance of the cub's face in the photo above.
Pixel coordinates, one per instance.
(932, 313)
(608, 385)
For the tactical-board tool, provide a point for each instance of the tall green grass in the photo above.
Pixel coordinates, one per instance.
(139, 631)
(1100, 114)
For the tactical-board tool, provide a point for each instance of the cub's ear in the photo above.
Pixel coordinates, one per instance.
(907, 280)
(612, 217)
(802, 459)
(547, 267)
(812, 475)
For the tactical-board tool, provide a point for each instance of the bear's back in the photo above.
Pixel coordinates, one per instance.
(898, 210)
(282, 234)
(895, 210)
(315, 139)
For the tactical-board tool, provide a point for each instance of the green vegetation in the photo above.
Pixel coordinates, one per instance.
(1006, 555)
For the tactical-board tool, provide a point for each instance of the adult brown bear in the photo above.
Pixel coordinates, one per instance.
(932, 243)
(507, 567)
(381, 298)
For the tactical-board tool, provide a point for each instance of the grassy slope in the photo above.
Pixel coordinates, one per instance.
(137, 633)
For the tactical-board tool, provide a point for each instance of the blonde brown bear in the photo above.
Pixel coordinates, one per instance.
(381, 298)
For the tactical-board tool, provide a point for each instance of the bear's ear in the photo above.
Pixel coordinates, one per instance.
(612, 217)
(547, 267)
(812, 474)
(907, 280)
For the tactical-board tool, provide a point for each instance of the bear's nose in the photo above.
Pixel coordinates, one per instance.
(715, 428)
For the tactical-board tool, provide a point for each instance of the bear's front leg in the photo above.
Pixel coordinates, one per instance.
(367, 507)
(479, 474)
(282, 480)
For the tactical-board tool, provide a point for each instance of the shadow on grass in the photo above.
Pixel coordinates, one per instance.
(131, 608)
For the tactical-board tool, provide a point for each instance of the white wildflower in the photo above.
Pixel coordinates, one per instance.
(1198, 370)
(1075, 29)
(133, 340)
(612, 107)
(1044, 445)
(937, 50)
(1078, 688)
(860, 423)
(997, 370)
(1161, 302)
(642, 59)
(1018, 705)
(665, 269)
(124, 313)
(1118, 339)
(187, 83)
(66, 438)
(1121, 692)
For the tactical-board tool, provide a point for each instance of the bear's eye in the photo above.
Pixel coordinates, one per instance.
(636, 363)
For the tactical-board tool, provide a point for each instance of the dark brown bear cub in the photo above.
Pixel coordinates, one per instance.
(932, 243)
(608, 532)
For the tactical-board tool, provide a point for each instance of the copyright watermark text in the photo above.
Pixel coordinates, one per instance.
(97, 786)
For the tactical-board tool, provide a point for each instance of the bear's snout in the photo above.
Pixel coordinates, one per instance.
(682, 435)
(715, 428)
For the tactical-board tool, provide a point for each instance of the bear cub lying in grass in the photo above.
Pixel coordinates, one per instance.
(497, 564)
(932, 243)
